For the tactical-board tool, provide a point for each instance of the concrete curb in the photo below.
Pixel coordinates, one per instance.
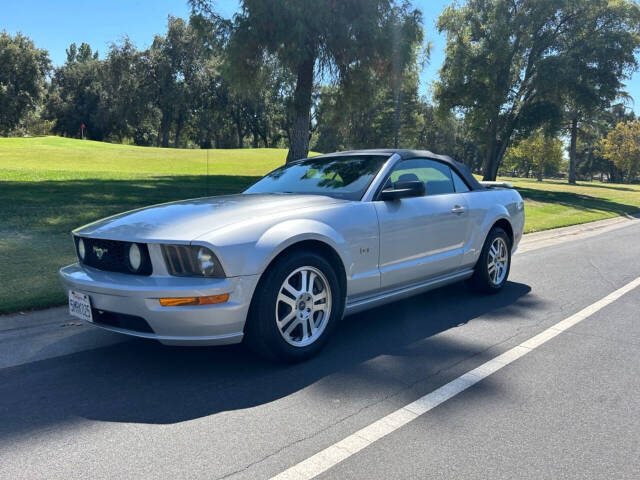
(37, 318)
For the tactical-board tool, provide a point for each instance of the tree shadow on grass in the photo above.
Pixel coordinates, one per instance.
(58, 206)
(608, 187)
(37, 217)
(578, 201)
(106, 191)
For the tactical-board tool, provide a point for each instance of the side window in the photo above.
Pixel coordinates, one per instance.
(435, 175)
(461, 187)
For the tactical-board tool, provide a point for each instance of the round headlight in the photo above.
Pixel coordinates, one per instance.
(81, 250)
(205, 262)
(135, 257)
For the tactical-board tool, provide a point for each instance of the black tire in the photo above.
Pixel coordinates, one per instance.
(481, 280)
(261, 332)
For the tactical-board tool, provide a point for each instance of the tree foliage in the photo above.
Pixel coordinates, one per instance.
(508, 63)
(75, 94)
(588, 154)
(23, 68)
(312, 37)
(366, 107)
(599, 51)
(622, 146)
(342, 75)
(540, 154)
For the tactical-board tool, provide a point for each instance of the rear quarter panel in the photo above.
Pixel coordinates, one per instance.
(486, 207)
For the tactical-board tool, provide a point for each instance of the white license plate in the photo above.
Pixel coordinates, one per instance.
(80, 306)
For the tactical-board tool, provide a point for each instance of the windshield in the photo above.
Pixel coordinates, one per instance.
(344, 177)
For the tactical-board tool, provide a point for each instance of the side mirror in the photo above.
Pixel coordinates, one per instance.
(411, 188)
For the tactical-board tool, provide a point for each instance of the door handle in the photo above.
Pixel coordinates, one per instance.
(458, 209)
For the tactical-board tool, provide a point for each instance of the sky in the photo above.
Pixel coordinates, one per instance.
(54, 24)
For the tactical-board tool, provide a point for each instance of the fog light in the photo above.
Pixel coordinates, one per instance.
(186, 301)
(135, 257)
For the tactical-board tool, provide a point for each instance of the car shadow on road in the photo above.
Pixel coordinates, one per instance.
(145, 382)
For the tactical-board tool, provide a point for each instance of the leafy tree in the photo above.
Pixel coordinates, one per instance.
(168, 62)
(443, 132)
(588, 154)
(368, 114)
(23, 69)
(505, 63)
(366, 107)
(267, 105)
(622, 146)
(311, 37)
(540, 154)
(600, 44)
(75, 94)
(123, 97)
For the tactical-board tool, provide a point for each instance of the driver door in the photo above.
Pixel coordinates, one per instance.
(422, 237)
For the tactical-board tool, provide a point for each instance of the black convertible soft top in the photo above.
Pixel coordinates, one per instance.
(459, 167)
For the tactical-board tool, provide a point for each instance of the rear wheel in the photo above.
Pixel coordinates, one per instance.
(492, 269)
(295, 307)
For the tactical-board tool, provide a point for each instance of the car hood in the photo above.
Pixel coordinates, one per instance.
(185, 220)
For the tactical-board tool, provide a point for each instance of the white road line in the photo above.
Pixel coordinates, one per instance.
(336, 453)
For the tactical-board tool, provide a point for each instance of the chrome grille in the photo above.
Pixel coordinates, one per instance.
(113, 256)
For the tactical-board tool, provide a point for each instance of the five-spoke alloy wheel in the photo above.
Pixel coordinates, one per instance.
(492, 268)
(303, 306)
(498, 260)
(295, 307)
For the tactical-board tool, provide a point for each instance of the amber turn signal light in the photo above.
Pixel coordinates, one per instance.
(185, 301)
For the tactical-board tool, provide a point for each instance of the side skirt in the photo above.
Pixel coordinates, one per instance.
(388, 296)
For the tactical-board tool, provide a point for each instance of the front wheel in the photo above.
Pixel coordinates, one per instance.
(295, 307)
(492, 269)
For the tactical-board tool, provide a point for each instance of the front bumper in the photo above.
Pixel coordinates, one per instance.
(136, 296)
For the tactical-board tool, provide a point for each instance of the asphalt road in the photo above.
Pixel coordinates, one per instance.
(568, 409)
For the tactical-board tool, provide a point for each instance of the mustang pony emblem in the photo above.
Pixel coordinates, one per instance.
(100, 252)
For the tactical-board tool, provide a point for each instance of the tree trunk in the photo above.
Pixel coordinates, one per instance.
(572, 150)
(265, 139)
(176, 141)
(494, 155)
(299, 139)
(396, 113)
(493, 160)
(165, 129)
(489, 158)
(240, 135)
(264, 136)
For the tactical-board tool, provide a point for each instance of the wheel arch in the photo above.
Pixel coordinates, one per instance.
(506, 226)
(316, 246)
(295, 235)
(310, 244)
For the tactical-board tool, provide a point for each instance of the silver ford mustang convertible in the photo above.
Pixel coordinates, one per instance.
(280, 264)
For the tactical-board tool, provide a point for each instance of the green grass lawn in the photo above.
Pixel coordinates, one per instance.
(48, 186)
(554, 203)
